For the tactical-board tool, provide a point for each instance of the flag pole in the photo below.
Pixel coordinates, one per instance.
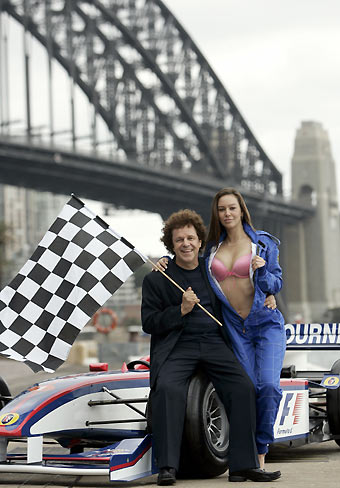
(183, 291)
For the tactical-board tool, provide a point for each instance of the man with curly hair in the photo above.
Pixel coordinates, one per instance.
(184, 337)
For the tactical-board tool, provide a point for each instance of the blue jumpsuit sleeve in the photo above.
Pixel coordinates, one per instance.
(156, 317)
(269, 277)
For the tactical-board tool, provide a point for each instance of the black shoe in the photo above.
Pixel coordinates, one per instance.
(167, 476)
(254, 474)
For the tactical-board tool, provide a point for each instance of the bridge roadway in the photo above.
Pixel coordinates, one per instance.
(127, 184)
(310, 466)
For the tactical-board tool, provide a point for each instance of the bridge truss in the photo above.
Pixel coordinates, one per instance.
(162, 103)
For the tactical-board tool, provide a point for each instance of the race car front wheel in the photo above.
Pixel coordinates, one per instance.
(333, 405)
(5, 394)
(206, 432)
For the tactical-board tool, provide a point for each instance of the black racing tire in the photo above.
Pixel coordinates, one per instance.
(333, 405)
(206, 432)
(5, 394)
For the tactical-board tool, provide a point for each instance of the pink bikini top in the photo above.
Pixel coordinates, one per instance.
(240, 268)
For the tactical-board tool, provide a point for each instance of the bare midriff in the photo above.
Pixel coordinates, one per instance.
(239, 293)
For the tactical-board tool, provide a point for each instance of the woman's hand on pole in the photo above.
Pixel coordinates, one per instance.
(161, 263)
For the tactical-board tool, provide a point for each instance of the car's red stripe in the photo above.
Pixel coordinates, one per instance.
(293, 382)
(122, 377)
(131, 463)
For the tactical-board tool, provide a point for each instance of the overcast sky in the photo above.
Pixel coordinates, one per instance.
(279, 60)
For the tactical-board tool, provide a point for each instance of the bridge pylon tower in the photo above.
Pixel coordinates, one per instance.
(313, 269)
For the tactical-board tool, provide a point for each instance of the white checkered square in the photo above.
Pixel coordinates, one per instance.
(72, 252)
(49, 260)
(74, 274)
(68, 212)
(34, 335)
(28, 288)
(120, 248)
(31, 312)
(27, 268)
(69, 231)
(99, 291)
(54, 305)
(95, 247)
(76, 295)
(52, 283)
(77, 317)
(9, 338)
(98, 269)
(6, 295)
(60, 349)
(8, 316)
(56, 326)
(47, 240)
(93, 228)
(37, 356)
(122, 271)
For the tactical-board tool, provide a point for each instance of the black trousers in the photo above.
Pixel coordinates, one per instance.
(233, 387)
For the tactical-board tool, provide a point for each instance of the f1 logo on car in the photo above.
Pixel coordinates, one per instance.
(296, 409)
(292, 420)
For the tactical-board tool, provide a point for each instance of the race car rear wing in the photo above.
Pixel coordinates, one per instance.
(310, 337)
(313, 336)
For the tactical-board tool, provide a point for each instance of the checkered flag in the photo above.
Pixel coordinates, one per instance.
(77, 266)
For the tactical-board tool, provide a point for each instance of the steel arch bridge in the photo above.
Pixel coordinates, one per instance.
(161, 101)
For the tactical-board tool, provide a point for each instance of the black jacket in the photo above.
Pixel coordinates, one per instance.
(161, 313)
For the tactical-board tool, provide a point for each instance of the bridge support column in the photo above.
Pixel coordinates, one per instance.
(313, 269)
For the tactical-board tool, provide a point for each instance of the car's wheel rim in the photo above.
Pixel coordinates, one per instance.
(216, 425)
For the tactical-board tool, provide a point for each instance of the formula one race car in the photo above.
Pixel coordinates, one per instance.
(99, 423)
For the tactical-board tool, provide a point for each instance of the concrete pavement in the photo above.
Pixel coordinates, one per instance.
(313, 466)
(310, 466)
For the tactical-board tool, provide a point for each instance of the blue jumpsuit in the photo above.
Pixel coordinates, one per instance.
(259, 340)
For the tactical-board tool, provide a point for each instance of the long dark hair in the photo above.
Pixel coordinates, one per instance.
(215, 227)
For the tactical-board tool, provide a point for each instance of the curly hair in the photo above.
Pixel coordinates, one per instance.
(180, 219)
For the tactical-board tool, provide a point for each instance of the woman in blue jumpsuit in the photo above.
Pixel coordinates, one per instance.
(243, 269)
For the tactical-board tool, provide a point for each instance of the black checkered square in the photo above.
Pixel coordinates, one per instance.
(84, 260)
(77, 266)
(57, 226)
(16, 282)
(62, 268)
(82, 238)
(42, 297)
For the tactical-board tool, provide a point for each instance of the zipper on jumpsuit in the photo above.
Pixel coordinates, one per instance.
(258, 250)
